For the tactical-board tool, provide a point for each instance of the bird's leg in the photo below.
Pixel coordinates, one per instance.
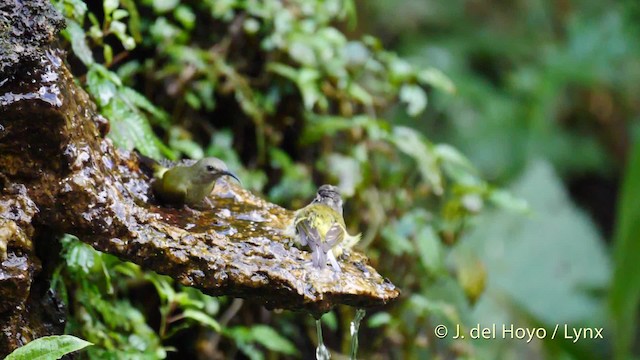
(334, 262)
(207, 201)
(189, 210)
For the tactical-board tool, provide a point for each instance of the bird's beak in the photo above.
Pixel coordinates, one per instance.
(229, 173)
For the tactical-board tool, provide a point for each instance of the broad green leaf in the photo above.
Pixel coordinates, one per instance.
(48, 348)
(79, 42)
(412, 143)
(555, 250)
(456, 165)
(269, 338)
(143, 103)
(202, 318)
(429, 249)
(331, 320)
(379, 319)
(397, 243)
(625, 287)
(102, 89)
(129, 129)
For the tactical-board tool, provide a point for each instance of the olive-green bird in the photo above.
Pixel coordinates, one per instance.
(186, 184)
(321, 226)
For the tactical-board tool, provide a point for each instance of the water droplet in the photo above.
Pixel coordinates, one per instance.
(322, 353)
(355, 327)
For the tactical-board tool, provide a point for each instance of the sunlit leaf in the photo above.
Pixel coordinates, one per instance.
(437, 79)
(415, 98)
(79, 42)
(48, 348)
(410, 142)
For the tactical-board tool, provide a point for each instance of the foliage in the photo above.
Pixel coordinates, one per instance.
(539, 85)
(625, 287)
(48, 348)
(124, 107)
(98, 289)
(291, 96)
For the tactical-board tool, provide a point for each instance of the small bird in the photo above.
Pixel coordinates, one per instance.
(186, 184)
(321, 226)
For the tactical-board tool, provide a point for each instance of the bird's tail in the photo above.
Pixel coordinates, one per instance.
(351, 240)
(151, 165)
(318, 257)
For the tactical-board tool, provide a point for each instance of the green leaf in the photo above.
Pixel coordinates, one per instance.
(79, 256)
(506, 200)
(347, 170)
(557, 240)
(412, 143)
(129, 129)
(302, 53)
(120, 14)
(109, 6)
(143, 103)
(414, 97)
(429, 249)
(270, 339)
(48, 348)
(202, 318)
(360, 94)
(331, 320)
(102, 89)
(72, 9)
(185, 16)
(306, 79)
(625, 288)
(437, 79)
(163, 6)
(79, 42)
(379, 319)
(107, 52)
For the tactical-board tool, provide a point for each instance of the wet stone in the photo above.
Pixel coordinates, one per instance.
(59, 174)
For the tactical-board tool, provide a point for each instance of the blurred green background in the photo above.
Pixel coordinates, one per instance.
(486, 150)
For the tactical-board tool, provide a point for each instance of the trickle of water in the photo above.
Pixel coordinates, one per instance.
(355, 326)
(322, 353)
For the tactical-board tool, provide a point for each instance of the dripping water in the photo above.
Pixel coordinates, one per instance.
(322, 353)
(355, 326)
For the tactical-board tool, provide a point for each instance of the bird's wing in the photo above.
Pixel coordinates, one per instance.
(157, 168)
(301, 229)
(334, 236)
(169, 194)
(310, 236)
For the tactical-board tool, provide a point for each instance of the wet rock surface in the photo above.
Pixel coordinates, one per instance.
(58, 173)
(25, 26)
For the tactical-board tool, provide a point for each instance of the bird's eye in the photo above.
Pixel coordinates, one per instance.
(210, 168)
